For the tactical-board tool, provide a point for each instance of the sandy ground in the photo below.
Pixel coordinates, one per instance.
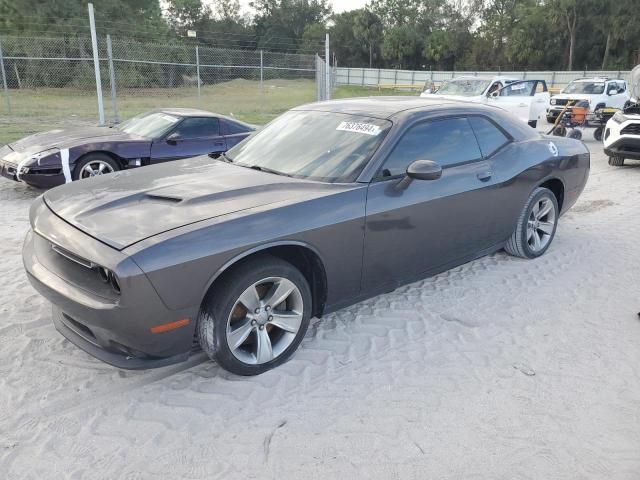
(499, 369)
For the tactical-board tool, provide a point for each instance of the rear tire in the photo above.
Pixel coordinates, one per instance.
(240, 329)
(616, 161)
(536, 225)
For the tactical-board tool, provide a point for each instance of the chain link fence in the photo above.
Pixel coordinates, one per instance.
(51, 82)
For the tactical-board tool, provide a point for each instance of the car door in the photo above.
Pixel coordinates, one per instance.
(617, 94)
(416, 226)
(193, 136)
(526, 99)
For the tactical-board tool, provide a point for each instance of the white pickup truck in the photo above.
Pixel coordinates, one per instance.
(527, 99)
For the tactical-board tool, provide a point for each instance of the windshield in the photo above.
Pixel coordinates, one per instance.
(468, 87)
(592, 88)
(323, 146)
(151, 125)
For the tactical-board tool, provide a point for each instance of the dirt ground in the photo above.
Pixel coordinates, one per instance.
(499, 369)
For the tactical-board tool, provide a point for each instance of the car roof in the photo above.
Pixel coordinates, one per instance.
(194, 112)
(478, 77)
(598, 79)
(386, 107)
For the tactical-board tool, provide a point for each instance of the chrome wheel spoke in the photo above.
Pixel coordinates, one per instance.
(250, 298)
(536, 241)
(240, 334)
(545, 208)
(264, 350)
(546, 227)
(278, 292)
(88, 170)
(287, 321)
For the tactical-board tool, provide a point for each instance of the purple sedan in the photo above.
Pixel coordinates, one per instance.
(52, 158)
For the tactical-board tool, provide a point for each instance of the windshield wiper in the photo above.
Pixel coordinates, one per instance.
(266, 170)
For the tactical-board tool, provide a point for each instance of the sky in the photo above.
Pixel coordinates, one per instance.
(339, 6)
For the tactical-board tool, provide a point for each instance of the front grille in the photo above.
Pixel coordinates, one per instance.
(631, 129)
(561, 101)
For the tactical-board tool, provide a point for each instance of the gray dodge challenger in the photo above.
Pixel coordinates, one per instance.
(330, 204)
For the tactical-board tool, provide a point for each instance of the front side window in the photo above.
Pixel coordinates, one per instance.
(582, 87)
(322, 146)
(198, 128)
(519, 89)
(447, 142)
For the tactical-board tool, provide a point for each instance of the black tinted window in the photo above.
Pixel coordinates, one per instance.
(198, 128)
(233, 127)
(446, 142)
(489, 136)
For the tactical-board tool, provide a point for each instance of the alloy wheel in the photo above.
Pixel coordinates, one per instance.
(541, 224)
(95, 168)
(265, 320)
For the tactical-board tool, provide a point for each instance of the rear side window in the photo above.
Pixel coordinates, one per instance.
(233, 128)
(490, 137)
(447, 142)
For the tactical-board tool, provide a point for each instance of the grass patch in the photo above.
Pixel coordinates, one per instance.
(36, 110)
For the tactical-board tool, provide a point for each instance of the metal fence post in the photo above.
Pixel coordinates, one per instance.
(553, 79)
(112, 81)
(4, 81)
(96, 63)
(261, 80)
(327, 72)
(198, 75)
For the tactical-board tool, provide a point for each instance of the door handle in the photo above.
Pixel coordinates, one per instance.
(484, 176)
(218, 144)
(522, 105)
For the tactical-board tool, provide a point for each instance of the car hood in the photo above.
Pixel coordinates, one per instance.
(129, 206)
(475, 98)
(576, 96)
(67, 138)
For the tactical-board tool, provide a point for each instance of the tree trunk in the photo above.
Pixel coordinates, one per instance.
(571, 25)
(370, 55)
(605, 58)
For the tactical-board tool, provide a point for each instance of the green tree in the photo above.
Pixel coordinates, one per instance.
(367, 29)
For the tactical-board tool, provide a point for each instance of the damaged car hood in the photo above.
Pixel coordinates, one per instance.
(68, 138)
(126, 207)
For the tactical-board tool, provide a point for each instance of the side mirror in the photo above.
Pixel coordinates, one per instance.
(424, 170)
(495, 94)
(427, 91)
(173, 138)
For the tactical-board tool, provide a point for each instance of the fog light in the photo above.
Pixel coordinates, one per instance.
(114, 283)
(103, 273)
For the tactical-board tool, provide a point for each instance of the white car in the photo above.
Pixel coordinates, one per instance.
(622, 132)
(527, 99)
(599, 92)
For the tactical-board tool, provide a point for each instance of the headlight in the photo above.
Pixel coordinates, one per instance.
(553, 101)
(619, 117)
(45, 153)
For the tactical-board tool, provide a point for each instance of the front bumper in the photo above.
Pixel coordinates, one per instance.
(40, 178)
(113, 328)
(618, 142)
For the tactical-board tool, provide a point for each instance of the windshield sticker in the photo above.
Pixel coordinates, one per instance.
(169, 118)
(518, 86)
(356, 127)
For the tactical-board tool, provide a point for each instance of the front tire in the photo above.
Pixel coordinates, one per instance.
(94, 164)
(597, 134)
(536, 226)
(616, 161)
(255, 319)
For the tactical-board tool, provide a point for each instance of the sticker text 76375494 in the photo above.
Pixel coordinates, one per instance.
(358, 127)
